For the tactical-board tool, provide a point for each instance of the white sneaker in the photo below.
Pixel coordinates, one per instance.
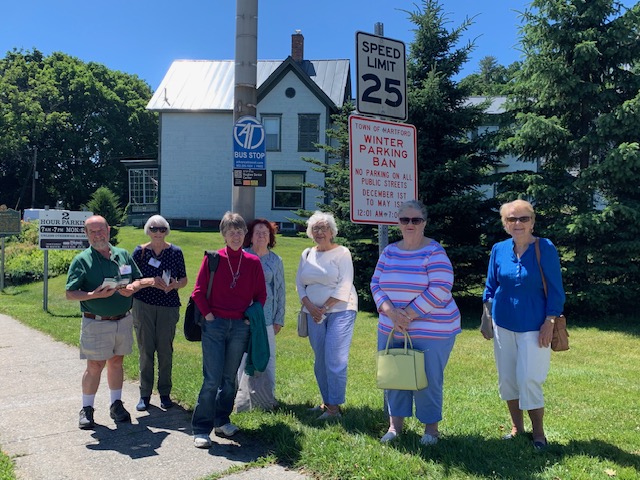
(227, 430)
(387, 437)
(201, 440)
(428, 439)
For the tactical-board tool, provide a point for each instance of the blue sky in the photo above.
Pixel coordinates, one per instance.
(143, 37)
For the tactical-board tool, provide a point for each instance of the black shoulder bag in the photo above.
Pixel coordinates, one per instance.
(193, 318)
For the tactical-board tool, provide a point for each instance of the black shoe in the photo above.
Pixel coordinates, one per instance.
(118, 412)
(540, 445)
(86, 418)
(165, 401)
(143, 404)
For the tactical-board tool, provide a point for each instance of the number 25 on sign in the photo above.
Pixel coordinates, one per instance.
(382, 77)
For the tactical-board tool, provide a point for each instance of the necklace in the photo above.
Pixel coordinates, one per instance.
(237, 274)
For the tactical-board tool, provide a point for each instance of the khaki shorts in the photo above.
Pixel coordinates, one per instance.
(102, 339)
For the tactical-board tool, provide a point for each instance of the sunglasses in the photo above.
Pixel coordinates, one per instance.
(157, 229)
(518, 219)
(413, 220)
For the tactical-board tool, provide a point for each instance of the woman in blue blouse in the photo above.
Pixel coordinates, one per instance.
(156, 310)
(258, 390)
(519, 318)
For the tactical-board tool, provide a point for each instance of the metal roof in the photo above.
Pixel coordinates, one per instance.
(208, 85)
(496, 105)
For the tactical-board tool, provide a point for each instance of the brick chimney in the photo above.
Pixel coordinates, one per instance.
(297, 46)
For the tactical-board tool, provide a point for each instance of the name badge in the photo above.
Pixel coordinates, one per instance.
(125, 269)
(154, 262)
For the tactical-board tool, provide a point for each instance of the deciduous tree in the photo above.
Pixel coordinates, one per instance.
(82, 119)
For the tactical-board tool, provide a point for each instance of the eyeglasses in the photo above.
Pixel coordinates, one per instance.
(413, 220)
(320, 228)
(157, 229)
(518, 219)
(261, 234)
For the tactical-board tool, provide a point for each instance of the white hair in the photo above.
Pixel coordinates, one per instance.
(321, 217)
(156, 221)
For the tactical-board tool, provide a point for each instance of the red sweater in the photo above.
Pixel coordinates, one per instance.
(227, 302)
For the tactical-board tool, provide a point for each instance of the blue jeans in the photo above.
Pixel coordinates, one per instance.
(224, 341)
(330, 342)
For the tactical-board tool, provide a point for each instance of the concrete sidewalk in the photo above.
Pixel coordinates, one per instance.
(40, 398)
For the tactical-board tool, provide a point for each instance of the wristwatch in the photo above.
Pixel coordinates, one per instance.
(551, 319)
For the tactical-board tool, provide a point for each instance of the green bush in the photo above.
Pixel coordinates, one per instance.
(24, 261)
(26, 264)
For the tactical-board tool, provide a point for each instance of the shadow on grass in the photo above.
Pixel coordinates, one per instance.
(478, 456)
(360, 420)
(514, 459)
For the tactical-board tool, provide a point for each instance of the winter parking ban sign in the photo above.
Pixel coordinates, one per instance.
(383, 166)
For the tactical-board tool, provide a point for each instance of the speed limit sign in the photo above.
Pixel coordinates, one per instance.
(382, 76)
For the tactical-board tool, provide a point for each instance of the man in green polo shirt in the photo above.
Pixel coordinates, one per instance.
(103, 278)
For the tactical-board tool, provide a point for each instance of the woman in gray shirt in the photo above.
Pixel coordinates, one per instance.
(258, 390)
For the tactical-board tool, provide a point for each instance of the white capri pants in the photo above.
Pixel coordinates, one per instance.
(522, 366)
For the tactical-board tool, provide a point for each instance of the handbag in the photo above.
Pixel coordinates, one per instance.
(560, 339)
(401, 368)
(303, 326)
(192, 316)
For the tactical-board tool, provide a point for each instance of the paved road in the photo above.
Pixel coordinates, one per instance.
(39, 404)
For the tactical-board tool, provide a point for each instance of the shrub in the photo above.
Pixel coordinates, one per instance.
(24, 261)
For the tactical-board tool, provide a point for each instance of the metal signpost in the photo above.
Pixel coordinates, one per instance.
(383, 169)
(249, 153)
(9, 226)
(60, 230)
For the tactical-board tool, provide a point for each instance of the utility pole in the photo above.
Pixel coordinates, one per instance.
(34, 177)
(245, 93)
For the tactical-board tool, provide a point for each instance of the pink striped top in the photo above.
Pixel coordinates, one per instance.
(422, 279)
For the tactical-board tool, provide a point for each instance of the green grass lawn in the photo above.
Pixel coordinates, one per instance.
(592, 395)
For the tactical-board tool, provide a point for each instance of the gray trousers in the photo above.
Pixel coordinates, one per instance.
(155, 329)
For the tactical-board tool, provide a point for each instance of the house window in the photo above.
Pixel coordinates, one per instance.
(288, 192)
(143, 186)
(271, 124)
(308, 132)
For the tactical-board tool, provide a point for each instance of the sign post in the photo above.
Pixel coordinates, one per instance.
(383, 163)
(249, 153)
(382, 76)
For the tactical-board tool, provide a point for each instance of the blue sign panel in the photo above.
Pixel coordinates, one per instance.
(249, 144)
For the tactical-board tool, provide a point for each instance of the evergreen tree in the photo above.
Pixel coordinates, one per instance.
(335, 199)
(576, 111)
(492, 80)
(105, 203)
(452, 160)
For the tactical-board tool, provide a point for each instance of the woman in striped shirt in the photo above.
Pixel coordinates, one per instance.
(411, 286)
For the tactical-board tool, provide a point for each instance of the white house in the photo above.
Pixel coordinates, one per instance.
(195, 160)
